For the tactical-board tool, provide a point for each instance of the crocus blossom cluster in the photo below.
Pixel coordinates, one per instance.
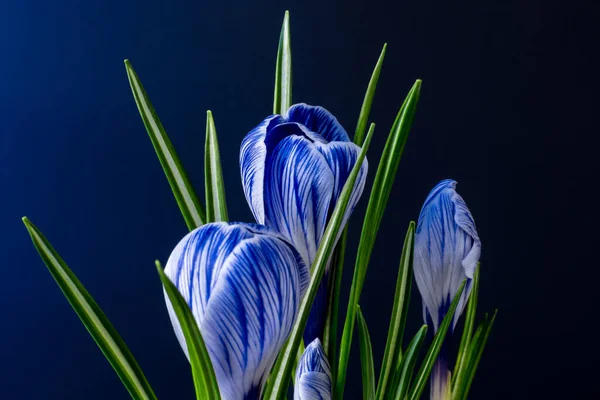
(244, 282)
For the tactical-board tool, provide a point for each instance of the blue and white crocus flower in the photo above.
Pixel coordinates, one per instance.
(293, 170)
(244, 284)
(446, 252)
(313, 375)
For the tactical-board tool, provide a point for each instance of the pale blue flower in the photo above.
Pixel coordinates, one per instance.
(293, 170)
(447, 249)
(313, 375)
(244, 284)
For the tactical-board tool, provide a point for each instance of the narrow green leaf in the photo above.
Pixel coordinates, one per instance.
(299, 354)
(363, 118)
(331, 322)
(393, 348)
(366, 357)
(216, 207)
(468, 328)
(278, 382)
(102, 331)
(382, 186)
(463, 383)
(434, 349)
(403, 374)
(203, 373)
(330, 331)
(283, 70)
(191, 209)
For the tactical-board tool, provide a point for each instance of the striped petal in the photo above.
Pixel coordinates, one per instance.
(298, 192)
(313, 375)
(253, 153)
(317, 119)
(447, 249)
(293, 171)
(243, 284)
(341, 157)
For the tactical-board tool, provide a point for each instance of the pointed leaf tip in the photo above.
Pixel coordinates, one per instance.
(191, 209)
(102, 331)
(216, 206)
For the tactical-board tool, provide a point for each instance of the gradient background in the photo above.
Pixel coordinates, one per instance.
(509, 91)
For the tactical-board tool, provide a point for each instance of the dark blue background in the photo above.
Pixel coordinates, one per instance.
(506, 109)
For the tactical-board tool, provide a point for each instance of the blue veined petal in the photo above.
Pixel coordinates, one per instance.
(341, 158)
(447, 249)
(319, 120)
(313, 375)
(253, 153)
(298, 191)
(243, 284)
(303, 162)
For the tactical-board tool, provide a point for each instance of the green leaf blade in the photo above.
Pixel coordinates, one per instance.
(366, 357)
(330, 333)
(216, 206)
(403, 374)
(380, 192)
(365, 110)
(279, 380)
(462, 386)
(102, 331)
(187, 200)
(393, 347)
(283, 70)
(205, 381)
(465, 340)
(434, 349)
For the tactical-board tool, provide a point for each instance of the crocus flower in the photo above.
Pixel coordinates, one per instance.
(447, 249)
(313, 375)
(244, 284)
(293, 170)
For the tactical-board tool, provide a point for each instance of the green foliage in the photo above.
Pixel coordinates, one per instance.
(434, 349)
(403, 373)
(205, 381)
(330, 332)
(102, 331)
(191, 209)
(469, 323)
(465, 375)
(283, 70)
(366, 357)
(380, 193)
(365, 110)
(392, 357)
(216, 207)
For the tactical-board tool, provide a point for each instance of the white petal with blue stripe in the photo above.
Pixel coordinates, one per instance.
(293, 170)
(447, 249)
(313, 375)
(244, 284)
